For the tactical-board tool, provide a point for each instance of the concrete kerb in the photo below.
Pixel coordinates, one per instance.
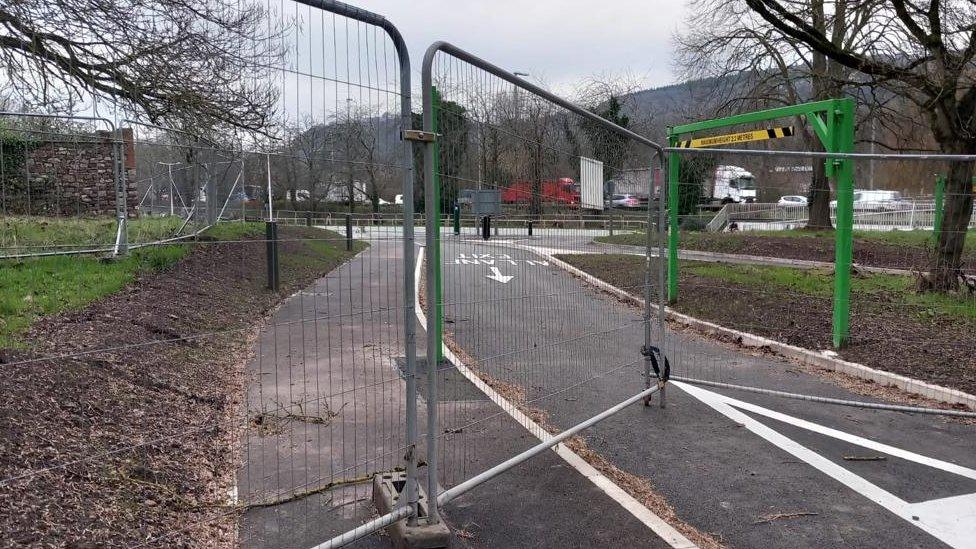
(804, 356)
(659, 526)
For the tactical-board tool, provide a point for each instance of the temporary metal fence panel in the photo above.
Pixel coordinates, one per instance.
(200, 405)
(523, 344)
(763, 275)
(57, 170)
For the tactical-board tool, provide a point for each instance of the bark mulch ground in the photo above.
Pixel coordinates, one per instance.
(118, 426)
(886, 334)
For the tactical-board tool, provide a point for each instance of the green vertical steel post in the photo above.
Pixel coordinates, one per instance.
(674, 174)
(940, 184)
(438, 305)
(840, 125)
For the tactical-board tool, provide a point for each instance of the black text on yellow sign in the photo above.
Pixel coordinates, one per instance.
(742, 137)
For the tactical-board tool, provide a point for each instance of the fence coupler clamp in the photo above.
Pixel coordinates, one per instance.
(418, 135)
(652, 352)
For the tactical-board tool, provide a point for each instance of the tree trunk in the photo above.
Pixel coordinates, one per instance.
(818, 205)
(818, 208)
(946, 264)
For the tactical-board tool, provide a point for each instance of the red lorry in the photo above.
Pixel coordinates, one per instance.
(562, 191)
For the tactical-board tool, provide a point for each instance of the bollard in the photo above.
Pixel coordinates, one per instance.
(348, 232)
(308, 219)
(486, 227)
(610, 225)
(457, 219)
(271, 238)
(530, 228)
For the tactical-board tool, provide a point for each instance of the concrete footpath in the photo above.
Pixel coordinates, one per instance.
(751, 470)
(325, 405)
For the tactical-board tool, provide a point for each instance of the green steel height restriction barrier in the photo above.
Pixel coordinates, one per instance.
(833, 123)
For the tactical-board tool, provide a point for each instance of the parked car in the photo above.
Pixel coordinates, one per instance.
(792, 200)
(630, 201)
(876, 201)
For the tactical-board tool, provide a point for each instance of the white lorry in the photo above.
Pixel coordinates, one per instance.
(731, 184)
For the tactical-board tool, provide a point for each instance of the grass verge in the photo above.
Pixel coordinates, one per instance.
(38, 287)
(26, 234)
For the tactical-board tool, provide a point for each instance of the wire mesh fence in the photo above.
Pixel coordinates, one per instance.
(223, 383)
(236, 382)
(510, 164)
(752, 258)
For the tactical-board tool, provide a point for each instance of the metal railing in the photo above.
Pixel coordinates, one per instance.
(906, 214)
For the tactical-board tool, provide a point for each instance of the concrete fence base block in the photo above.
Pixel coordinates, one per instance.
(387, 488)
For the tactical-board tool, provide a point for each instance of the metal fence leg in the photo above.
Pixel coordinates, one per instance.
(121, 196)
(662, 293)
(271, 238)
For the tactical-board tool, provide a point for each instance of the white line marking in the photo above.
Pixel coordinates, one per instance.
(498, 276)
(668, 533)
(951, 520)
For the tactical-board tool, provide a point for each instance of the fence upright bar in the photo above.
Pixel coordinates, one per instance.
(436, 303)
(121, 207)
(431, 272)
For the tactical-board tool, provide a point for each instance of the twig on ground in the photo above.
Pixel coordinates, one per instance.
(780, 516)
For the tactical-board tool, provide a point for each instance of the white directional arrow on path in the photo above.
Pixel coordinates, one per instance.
(497, 275)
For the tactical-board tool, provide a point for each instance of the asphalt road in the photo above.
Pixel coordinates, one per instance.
(334, 348)
(814, 476)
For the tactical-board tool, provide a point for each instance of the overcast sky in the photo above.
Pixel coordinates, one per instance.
(559, 41)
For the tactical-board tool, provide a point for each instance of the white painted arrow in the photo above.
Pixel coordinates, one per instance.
(497, 275)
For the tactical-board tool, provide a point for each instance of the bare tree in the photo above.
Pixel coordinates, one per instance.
(762, 68)
(924, 52)
(169, 60)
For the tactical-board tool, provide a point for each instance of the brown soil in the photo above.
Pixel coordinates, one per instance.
(867, 252)
(118, 427)
(936, 349)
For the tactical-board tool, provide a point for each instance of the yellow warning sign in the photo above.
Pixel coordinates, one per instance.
(742, 137)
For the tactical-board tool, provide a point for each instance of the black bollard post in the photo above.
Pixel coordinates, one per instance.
(486, 227)
(271, 237)
(530, 228)
(348, 232)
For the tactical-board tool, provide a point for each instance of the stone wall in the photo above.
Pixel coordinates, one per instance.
(71, 176)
